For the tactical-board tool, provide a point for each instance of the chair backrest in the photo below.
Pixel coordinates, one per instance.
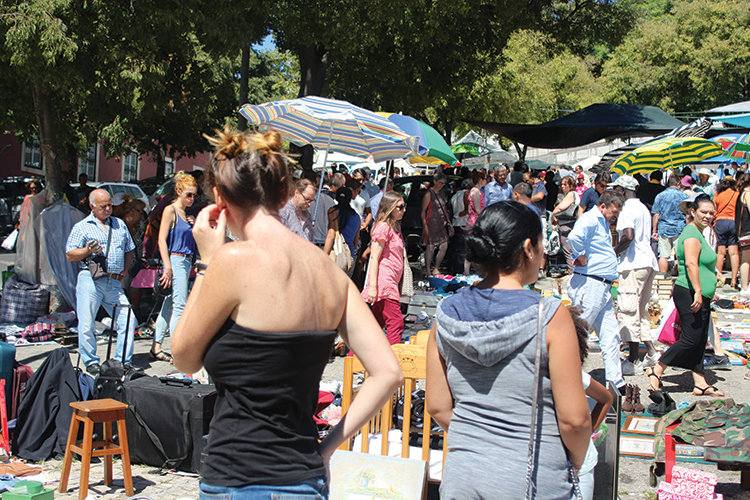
(420, 338)
(413, 361)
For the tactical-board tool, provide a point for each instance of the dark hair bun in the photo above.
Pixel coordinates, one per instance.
(497, 238)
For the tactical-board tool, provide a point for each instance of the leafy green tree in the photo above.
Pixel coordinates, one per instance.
(43, 80)
(693, 56)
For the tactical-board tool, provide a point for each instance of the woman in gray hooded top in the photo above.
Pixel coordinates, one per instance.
(480, 371)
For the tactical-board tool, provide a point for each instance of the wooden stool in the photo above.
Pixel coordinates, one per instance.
(89, 413)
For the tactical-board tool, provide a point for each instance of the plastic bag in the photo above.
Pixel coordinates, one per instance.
(9, 243)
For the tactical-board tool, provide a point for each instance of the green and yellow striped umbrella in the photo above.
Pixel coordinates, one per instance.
(665, 154)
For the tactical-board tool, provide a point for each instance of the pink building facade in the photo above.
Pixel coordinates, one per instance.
(24, 159)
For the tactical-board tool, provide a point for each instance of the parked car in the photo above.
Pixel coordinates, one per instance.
(12, 192)
(151, 184)
(133, 190)
(413, 188)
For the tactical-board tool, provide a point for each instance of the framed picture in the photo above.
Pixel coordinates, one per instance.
(640, 425)
(637, 446)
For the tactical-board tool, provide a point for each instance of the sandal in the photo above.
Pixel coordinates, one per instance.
(161, 356)
(702, 391)
(658, 380)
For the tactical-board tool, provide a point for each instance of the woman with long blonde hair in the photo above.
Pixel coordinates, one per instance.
(262, 318)
(387, 266)
(176, 247)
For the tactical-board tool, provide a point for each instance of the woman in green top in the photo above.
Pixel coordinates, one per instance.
(692, 295)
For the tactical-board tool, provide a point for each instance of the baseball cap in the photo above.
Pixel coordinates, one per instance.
(626, 182)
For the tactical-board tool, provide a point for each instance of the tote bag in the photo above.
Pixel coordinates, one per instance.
(672, 329)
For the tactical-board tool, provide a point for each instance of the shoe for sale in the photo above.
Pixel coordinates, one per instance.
(717, 362)
(628, 368)
(650, 361)
(637, 405)
(627, 403)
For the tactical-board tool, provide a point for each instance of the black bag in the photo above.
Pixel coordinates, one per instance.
(166, 421)
(108, 383)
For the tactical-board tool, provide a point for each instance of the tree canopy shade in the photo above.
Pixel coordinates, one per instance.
(593, 123)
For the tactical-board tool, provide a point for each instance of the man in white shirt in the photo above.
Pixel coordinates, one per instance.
(637, 267)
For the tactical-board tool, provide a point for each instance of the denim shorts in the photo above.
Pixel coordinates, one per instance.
(312, 489)
(725, 232)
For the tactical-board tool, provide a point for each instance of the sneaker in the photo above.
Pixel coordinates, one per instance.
(744, 293)
(638, 365)
(650, 361)
(94, 369)
(628, 368)
(717, 362)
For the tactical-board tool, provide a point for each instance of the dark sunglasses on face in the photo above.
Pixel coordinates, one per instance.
(191, 195)
(400, 207)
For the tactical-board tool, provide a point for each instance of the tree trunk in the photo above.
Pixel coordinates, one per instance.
(242, 125)
(160, 156)
(48, 144)
(520, 150)
(313, 63)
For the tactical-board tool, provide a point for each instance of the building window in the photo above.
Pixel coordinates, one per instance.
(88, 166)
(130, 167)
(32, 154)
(168, 166)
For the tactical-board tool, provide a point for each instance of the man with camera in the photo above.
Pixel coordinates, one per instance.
(103, 247)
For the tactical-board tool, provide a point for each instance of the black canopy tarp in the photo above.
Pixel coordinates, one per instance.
(591, 124)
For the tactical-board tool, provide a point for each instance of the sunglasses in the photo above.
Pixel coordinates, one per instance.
(400, 207)
(190, 195)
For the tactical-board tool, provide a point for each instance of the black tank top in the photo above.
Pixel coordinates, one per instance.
(263, 431)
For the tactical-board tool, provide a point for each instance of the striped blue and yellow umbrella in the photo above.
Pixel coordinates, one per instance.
(665, 154)
(333, 126)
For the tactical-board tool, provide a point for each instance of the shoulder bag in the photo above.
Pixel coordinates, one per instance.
(569, 214)
(97, 264)
(530, 493)
(340, 252)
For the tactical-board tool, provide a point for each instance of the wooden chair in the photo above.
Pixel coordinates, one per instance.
(413, 361)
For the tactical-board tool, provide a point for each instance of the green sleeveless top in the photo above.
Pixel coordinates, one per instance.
(706, 262)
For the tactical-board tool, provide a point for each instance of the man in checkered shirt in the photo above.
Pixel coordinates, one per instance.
(101, 234)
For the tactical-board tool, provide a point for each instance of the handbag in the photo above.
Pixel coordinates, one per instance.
(407, 279)
(340, 253)
(671, 330)
(569, 214)
(98, 263)
(534, 401)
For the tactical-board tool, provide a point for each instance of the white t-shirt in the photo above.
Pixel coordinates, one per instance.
(635, 216)
(360, 202)
(457, 203)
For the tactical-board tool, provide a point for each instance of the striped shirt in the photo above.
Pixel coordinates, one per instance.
(90, 229)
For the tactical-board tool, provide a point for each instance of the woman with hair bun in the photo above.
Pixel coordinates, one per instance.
(177, 247)
(262, 318)
(387, 266)
(480, 370)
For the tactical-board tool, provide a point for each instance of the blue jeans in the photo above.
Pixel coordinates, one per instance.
(90, 295)
(173, 305)
(312, 489)
(595, 299)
